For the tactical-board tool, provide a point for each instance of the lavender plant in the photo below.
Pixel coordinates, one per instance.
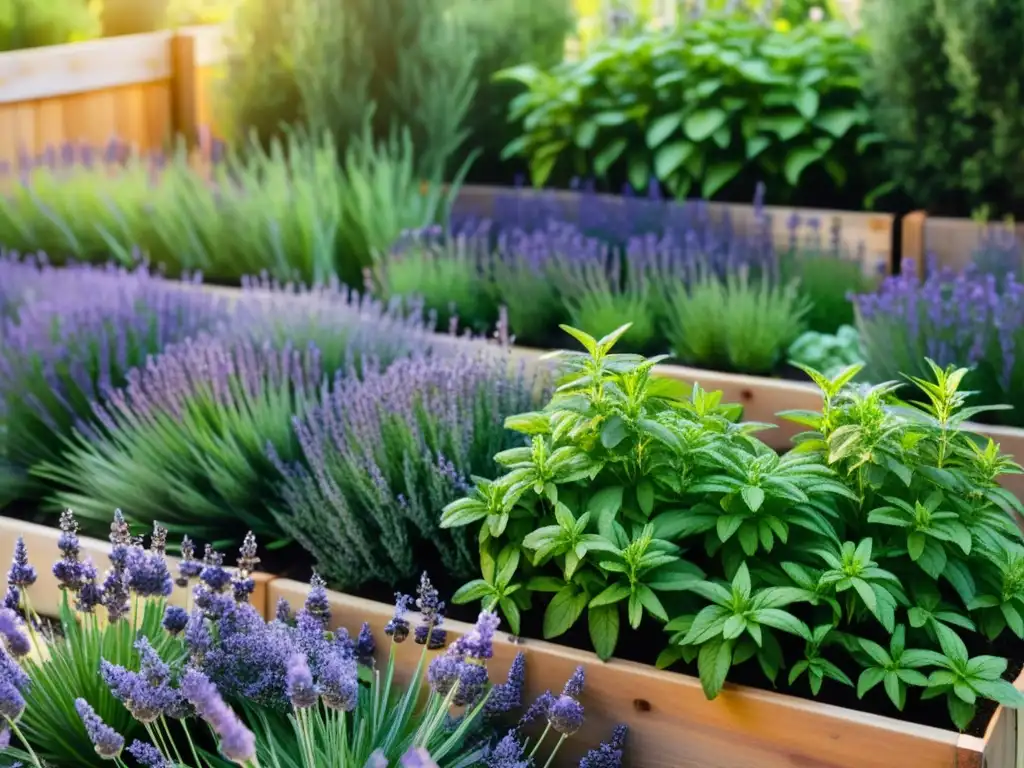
(740, 323)
(78, 338)
(970, 319)
(184, 442)
(379, 454)
(448, 273)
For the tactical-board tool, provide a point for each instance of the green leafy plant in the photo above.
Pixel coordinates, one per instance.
(771, 103)
(739, 322)
(826, 352)
(29, 24)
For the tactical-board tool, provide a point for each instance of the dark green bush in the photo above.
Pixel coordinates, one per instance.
(327, 65)
(507, 33)
(711, 105)
(946, 77)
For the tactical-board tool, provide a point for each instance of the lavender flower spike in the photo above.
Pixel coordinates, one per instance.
(432, 614)
(565, 715)
(479, 644)
(68, 570)
(10, 629)
(299, 682)
(188, 568)
(507, 753)
(609, 754)
(574, 685)
(21, 574)
(236, 741)
(148, 756)
(398, 628)
(12, 704)
(365, 646)
(106, 740)
(317, 604)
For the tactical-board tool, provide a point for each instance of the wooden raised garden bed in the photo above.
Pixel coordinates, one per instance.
(672, 724)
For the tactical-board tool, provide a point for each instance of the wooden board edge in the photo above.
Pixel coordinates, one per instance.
(671, 721)
(58, 70)
(41, 542)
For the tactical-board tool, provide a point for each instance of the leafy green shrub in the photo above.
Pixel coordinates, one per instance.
(298, 211)
(696, 107)
(737, 323)
(31, 24)
(827, 352)
(506, 33)
(327, 67)
(945, 79)
(882, 524)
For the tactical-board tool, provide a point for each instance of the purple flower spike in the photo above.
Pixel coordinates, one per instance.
(90, 595)
(21, 574)
(213, 574)
(574, 685)
(365, 646)
(317, 604)
(479, 644)
(431, 609)
(10, 628)
(507, 696)
(609, 754)
(175, 619)
(188, 568)
(283, 611)
(68, 570)
(12, 703)
(565, 715)
(507, 753)
(339, 683)
(107, 742)
(236, 741)
(398, 628)
(12, 598)
(148, 756)
(299, 681)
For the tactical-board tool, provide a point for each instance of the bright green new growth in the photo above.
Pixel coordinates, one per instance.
(829, 353)
(885, 523)
(739, 323)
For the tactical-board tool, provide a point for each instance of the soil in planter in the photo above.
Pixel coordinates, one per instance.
(644, 645)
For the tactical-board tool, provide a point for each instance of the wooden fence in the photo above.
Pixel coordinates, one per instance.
(141, 89)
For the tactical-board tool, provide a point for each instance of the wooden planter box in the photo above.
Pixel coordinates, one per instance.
(672, 724)
(950, 242)
(41, 541)
(872, 231)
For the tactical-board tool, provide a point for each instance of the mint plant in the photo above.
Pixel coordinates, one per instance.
(881, 549)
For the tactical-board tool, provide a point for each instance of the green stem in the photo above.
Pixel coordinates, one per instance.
(555, 750)
(191, 744)
(157, 739)
(21, 737)
(170, 739)
(540, 741)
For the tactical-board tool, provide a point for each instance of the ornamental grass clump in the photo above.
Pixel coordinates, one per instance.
(971, 319)
(885, 525)
(216, 684)
(379, 454)
(85, 328)
(738, 322)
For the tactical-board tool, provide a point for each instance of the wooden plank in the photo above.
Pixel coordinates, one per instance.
(672, 725)
(157, 99)
(130, 111)
(49, 125)
(41, 541)
(183, 89)
(912, 241)
(94, 65)
(952, 242)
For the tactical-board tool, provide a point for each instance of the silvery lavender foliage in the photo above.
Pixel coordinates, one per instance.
(237, 393)
(381, 455)
(78, 335)
(964, 318)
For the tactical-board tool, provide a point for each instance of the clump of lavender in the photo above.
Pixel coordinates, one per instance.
(78, 337)
(967, 319)
(447, 273)
(460, 673)
(381, 455)
(239, 393)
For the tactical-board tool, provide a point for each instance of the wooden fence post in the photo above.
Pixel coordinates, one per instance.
(912, 244)
(183, 89)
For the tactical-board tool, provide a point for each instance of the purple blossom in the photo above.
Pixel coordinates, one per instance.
(609, 754)
(443, 673)
(365, 646)
(11, 629)
(505, 697)
(197, 635)
(507, 753)
(213, 575)
(147, 574)
(479, 643)
(243, 585)
(107, 742)
(431, 609)
(21, 574)
(90, 595)
(175, 619)
(283, 611)
(539, 707)
(417, 757)
(148, 756)
(188, 567)
(565, 715)
(339, 683)
(115, 594)
(317, 604)
(574, 685)
(236, 741)
(12, 703)
(12, 598)
(68, 570)
(398, 627)
(299, 681)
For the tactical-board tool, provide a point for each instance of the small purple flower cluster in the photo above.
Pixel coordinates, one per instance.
(966, 318)
(382, 452)
(77, 334)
